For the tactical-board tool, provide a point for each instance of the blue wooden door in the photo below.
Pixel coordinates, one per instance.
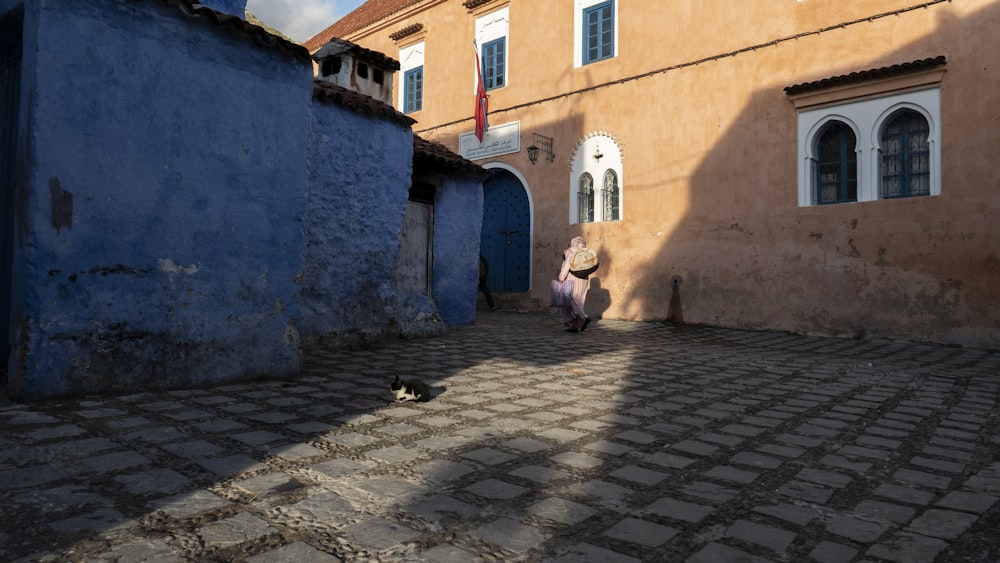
(506, 237)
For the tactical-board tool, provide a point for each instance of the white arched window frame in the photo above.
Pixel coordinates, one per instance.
(812, 158)
(867, 117)
(880, 124)
(598, 157)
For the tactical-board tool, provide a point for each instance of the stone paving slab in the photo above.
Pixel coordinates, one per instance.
(629, 442)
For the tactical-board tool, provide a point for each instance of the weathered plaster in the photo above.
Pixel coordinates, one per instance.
(709, 186)
(458, 212)
(156, 249)
(358, 183)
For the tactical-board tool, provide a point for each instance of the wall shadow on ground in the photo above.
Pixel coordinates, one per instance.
(633, 438)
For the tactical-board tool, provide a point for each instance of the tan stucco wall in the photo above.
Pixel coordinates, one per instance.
(709, 182)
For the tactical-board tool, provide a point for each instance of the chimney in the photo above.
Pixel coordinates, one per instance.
(353, 67)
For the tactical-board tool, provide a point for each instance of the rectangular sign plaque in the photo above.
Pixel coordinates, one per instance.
(498, 140)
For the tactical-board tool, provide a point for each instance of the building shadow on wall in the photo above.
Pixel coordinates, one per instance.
(751, 258)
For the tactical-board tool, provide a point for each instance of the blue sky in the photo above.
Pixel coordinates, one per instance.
(301, 19)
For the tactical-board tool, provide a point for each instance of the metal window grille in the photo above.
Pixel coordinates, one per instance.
(836, 165)
(905, 156)
(610, 196)
(598, 32)
(585, 199)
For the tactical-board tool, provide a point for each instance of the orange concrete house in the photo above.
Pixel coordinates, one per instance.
(817, 166)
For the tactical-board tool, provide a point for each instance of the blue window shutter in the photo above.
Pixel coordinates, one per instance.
(413, 90)
(598, 32)
(494, 58)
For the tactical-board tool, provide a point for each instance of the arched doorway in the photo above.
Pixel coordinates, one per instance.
(506, 236)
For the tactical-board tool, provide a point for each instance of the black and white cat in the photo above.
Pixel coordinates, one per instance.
(411, 390)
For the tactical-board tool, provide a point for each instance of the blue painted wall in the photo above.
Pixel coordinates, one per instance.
(162, 213)
(458, 216)
(358, 182)
(188, 214)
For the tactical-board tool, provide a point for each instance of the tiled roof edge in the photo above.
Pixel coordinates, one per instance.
(358, 103)
(438, 157)
(366, 14)
(257, 34)
(865, 75)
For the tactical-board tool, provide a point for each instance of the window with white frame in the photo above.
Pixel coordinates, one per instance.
(596, 159)
(491, 35)
(411, 91)
(836, 164)
(595, 24)
(585, 199)
(904, 148)
(494, 59)
(875, 148)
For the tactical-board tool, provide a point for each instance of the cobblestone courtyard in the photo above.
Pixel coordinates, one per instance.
(629, 442)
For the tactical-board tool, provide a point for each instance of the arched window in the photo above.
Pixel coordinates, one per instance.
(871, 149)
(609, 196)
(594, 186)
(905, 167)
(836, 164)
(585, 198)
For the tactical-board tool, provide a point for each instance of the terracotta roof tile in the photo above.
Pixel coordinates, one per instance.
(866, 75)
(257, 34)
(363, 16)
(435, 156)
(358, 103)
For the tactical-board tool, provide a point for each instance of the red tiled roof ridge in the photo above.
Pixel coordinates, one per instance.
(364, 15)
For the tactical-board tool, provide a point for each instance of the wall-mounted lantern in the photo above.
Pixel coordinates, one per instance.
(542, 144)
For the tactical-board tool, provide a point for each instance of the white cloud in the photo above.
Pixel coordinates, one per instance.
(301, 19)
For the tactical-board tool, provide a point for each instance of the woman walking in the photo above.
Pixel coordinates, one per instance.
(573, 316)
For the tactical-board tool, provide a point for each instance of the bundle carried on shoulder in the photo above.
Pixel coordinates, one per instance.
(583, 263)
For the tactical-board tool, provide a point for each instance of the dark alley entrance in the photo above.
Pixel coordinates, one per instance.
(10, 75)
